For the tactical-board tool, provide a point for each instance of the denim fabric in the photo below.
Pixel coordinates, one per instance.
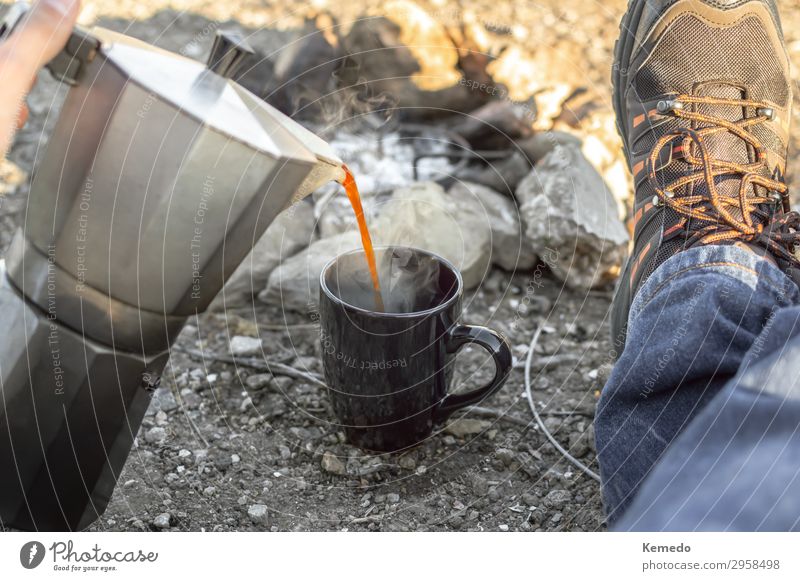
(704, 401)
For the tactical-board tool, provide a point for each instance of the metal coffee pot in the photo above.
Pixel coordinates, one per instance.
(160, 176)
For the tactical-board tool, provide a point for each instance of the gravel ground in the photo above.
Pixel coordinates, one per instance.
(225, 447)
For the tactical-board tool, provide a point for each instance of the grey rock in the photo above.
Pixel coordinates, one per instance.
(557, 499)
(578, 444)
(503, 175)
(455, 227)
(164, 400)
(571, 218)
(162, 521)
(242, 346)
(258, 514)
(155, 435)
(538, 146)
(258, 381)
(392, 498)
(294, 285)
(421, 215)
(511, 249)
(332, 464)
(291, 231)
(480, 486)
(464, 427)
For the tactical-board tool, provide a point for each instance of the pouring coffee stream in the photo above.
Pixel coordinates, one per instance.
(351, 188)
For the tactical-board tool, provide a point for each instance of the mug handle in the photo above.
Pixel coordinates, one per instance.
(497, 347)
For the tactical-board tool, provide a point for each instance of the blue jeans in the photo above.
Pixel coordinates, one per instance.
(698, 427)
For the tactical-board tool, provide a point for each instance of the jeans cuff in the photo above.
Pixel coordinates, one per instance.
(727, 260)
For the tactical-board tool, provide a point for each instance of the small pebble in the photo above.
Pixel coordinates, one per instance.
(258, 514)
(155, 435)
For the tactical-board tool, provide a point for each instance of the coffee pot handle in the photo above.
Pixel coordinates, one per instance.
(498, 348)
(68, 65)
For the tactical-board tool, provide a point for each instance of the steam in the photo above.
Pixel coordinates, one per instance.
(410, 281)
(353, 103)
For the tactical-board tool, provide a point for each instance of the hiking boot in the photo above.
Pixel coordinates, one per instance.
(702, 97)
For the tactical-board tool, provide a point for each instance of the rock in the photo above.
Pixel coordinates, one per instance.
(457, 228)
(258, 514)
(466, 427)
(505, 456)
(571, 218)
(294, 285)
(162, 521)
(510, 249)
(258, 381)
(538, 146)
(242, 346)
(291, 231)
(332, 464)
(557, 499)
(495, 125)
(407, 462)
(392, 498)
(164, 400)
(578, 444)
(408, 54)
(502, 176)
(480, 486)
(155, 435)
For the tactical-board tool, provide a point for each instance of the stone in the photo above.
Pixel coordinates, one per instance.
(421, 215)
(408, 54)
(164, 400)
(510, 249)
(289, 233)
(155, 435)
(572, 220)
(332, 464)
(258, 514)
(502, 176)
(455, 227)
(258, 381)
(538, 146)
(242, 346)
(495, 125)
(480, 486)
(464, 427)
(162, 521)
(392, 498)
(557, 499)
(294, 285)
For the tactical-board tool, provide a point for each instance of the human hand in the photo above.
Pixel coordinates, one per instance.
(40, 36)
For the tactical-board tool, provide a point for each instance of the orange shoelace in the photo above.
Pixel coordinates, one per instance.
(777, 231)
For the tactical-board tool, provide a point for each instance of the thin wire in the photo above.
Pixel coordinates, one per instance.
(529, 393)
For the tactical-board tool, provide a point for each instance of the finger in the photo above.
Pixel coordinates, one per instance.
(36, 40)
(42, 33)
(22, 119)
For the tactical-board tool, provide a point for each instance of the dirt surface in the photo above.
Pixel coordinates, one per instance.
(221, 439)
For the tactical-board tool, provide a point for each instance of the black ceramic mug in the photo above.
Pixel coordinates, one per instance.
(388, 373)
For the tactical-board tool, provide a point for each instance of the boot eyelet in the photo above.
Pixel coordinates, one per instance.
(669, 106)
(767, 112)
